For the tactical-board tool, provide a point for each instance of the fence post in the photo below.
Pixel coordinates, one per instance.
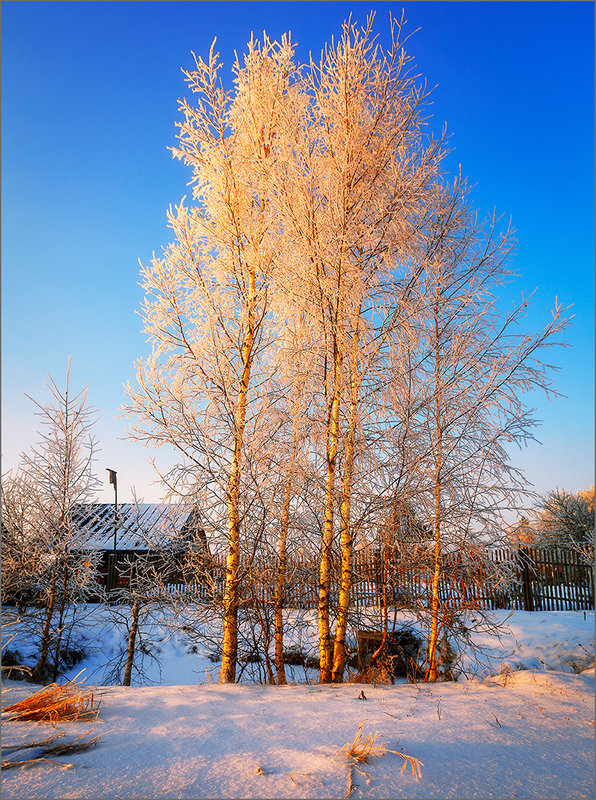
(111, 576)
(527, 594)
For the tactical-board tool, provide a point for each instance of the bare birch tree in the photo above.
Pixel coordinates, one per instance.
(208, 311)
(22, 546)
(308, 191)
(318, 208)
(566, 520)
(475, 366)
(289, 457)
(352, 199)
(56, 476)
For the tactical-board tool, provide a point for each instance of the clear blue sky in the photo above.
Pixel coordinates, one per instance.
(89, 102)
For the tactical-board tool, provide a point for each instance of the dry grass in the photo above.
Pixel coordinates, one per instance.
(55, 704)
(46, 750)
(379, 674)
(11, 748)
(10, 668)
(379, 671)
(362, 749)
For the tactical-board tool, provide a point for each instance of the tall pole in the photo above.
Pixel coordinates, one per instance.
(114, 481)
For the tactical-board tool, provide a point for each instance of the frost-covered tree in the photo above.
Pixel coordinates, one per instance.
(55, 477)
(288, 462)
(474, 366)
(21, 543)
(210, 300)
(140, 602)
(306, 189)
(352, 199)
(566, 519)
(321, 239)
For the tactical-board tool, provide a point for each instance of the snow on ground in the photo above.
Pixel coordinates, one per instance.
(525, 732)
(530, 738)
(554, 640)
(559, 640)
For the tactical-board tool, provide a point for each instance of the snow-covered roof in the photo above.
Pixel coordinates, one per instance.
(140, 526)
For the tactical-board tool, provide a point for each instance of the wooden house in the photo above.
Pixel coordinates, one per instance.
(115, 537)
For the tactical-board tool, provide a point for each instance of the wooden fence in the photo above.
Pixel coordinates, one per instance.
(529, 579)
(548, 580)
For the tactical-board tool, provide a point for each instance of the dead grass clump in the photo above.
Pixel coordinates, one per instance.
(362, 749)
(11, 748)
(55, 704)
(11, 659)
(379, 672)
(46, 750)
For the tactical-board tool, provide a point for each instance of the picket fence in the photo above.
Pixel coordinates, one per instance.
(528, 579)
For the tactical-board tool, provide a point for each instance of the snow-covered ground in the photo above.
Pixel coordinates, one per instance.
(552, 640)
(530, 738)
(523, 727)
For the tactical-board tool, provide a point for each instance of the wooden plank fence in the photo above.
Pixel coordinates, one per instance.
(529, 579)
(549, 580)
